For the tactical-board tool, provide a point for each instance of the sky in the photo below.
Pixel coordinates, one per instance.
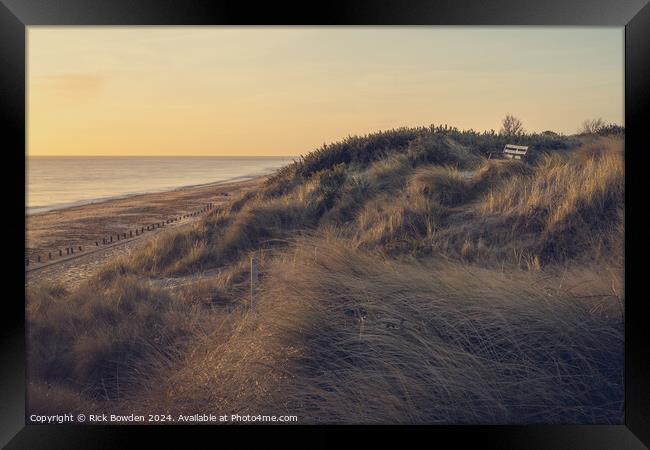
(287, 90)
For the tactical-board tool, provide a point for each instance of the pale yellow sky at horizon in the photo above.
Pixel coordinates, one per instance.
(286, 90)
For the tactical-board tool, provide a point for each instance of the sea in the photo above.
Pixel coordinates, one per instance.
(62, 182)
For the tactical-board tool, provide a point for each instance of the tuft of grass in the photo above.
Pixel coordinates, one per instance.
(441, 150)
(495, 172)
(446, 186)
(93, 338)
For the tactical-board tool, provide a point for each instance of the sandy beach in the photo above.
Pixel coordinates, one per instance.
(82, 226)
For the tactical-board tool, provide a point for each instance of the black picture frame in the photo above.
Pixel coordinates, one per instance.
(634, 15)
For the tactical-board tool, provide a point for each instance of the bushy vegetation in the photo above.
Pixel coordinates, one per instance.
(432, 142)
(405, 278)
(599, 127)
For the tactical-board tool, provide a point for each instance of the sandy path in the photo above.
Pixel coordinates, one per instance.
(73, 271)
(83, 225)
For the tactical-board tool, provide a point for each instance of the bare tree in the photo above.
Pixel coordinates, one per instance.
(511, 126)
(591, 126)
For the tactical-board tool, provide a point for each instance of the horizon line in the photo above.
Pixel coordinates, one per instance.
(160, 156)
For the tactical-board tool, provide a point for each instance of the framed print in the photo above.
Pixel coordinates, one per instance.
(400, 218)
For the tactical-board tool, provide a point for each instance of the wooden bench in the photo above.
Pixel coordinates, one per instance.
(511, 151)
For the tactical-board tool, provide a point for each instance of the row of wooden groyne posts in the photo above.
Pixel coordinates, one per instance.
(118, 236)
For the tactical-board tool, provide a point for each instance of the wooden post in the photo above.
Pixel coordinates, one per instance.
(111, 238)
(38, 258)
(124, 235)
(60, 252)
(71, 250)
(118, 236)
(80, 249)
(254, 273)
(96, 244)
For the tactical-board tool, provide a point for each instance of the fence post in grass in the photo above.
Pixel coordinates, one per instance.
(49, 255)
(38, 258)
(111, 238)
(80, 249)
(361, 323)
(96, 244)
(71, 250)
(60, 252)
(254, 273)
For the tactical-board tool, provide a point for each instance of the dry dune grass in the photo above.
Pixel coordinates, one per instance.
(392, 291)
(565, 207)
(446, 186)
(574, 203)
(339, 336)
(91, 340)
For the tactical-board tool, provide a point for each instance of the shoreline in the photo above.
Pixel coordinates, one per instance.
(83, 225)
(96, 201)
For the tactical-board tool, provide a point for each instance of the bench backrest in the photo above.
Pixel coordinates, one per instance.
(515, 151)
